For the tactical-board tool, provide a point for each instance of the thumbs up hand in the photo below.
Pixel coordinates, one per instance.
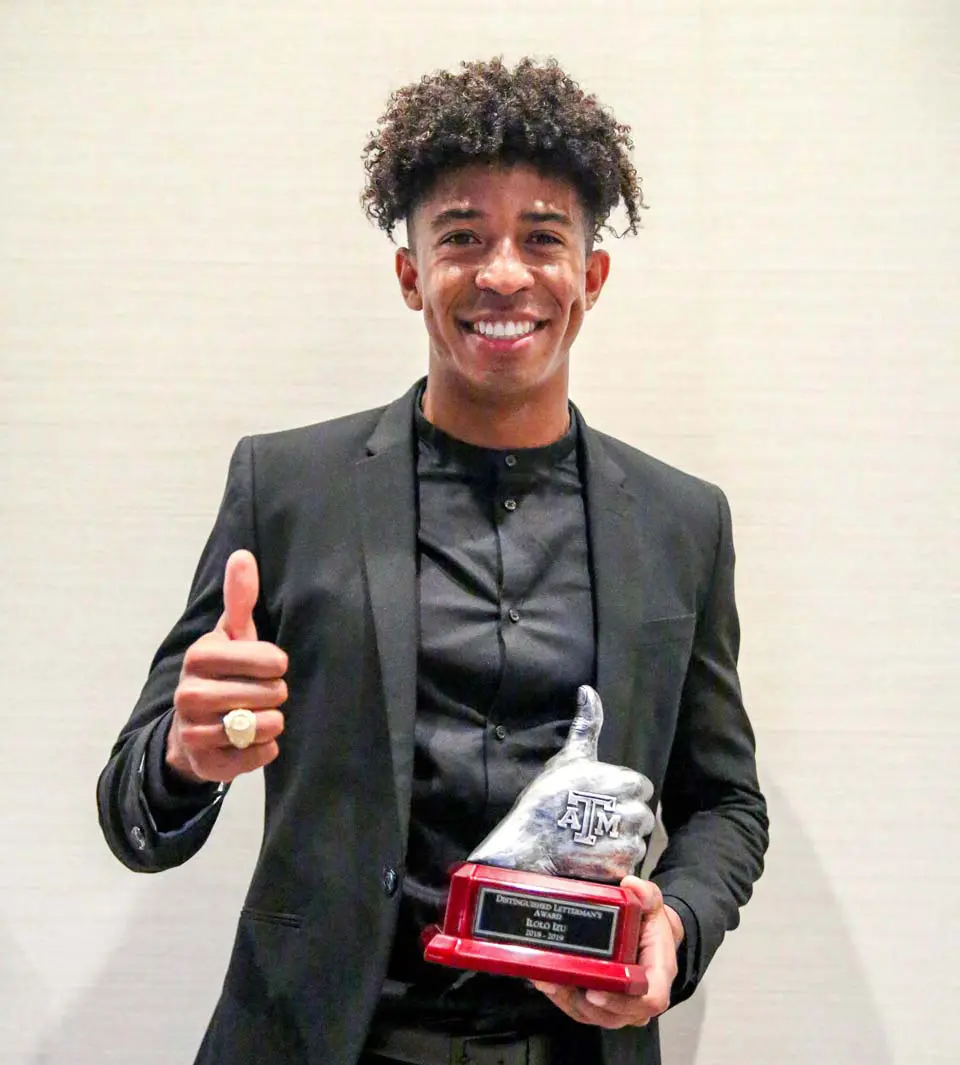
(224, 670)
(579, 818)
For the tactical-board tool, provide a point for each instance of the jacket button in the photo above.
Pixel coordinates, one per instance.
(139, 839)
(390, 880)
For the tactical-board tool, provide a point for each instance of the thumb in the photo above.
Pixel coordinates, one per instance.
(585, 730)
(646, 891)
(241, 587)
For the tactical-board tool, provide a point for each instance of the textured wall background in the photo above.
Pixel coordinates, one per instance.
(183, 262)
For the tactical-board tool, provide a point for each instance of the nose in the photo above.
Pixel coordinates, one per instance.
(504, 271)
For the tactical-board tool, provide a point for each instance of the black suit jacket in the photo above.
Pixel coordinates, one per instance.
(329, 511)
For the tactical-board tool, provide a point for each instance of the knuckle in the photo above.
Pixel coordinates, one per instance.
(195, 656)
(191, 737)
(269, 724)
(191, 696)
(265, 695)
(185, 697)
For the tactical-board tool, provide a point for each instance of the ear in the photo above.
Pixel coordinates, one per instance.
(409, 278)
(597, 272)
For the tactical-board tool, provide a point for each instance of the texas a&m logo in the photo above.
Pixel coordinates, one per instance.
(590, 816)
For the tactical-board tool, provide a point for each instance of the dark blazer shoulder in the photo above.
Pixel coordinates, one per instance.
(339, 441)
(663, 489)
(345, 436)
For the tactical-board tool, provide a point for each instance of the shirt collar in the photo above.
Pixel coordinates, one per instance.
(518, 461)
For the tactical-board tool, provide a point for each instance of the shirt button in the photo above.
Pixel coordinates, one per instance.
(500, 732)
(511, 460)
(389, 880)
(514, 615)
(510, 504)
(139, 839)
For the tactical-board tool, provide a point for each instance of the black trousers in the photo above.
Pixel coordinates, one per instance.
(577, 1045)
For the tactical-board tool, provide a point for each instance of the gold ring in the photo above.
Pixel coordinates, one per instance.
(240, 727)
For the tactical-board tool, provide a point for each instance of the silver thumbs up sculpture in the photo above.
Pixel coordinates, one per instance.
(580, 817)
(540, 896)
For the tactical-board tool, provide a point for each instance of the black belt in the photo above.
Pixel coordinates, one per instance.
(420, 1047)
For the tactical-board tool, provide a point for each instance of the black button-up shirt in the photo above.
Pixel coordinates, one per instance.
(506, 637)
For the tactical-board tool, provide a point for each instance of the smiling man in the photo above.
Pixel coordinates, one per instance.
(422, 589)
(501, 265)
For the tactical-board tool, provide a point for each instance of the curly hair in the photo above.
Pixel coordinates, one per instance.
(488, 113)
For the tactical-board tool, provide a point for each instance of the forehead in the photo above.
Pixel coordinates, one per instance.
(497, 189)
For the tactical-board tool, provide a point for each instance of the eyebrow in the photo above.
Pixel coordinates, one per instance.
(539, 217)
(455, 214)
(470, 214)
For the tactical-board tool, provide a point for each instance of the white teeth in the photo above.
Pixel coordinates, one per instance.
(499, 330)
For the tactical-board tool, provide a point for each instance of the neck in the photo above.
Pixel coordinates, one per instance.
(502, 422)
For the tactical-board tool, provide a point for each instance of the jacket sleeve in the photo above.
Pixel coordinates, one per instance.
(126, 818)
(712, 808)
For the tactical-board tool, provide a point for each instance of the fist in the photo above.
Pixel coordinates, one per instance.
(580, 818)
(223, 670)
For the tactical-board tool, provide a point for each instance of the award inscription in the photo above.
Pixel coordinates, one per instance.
(545, 922)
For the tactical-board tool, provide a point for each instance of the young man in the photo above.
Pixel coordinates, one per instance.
(423, 588)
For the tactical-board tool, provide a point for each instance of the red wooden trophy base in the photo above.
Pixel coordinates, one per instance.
(541, 928)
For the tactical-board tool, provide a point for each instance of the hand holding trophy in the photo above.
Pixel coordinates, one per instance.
(512, 907)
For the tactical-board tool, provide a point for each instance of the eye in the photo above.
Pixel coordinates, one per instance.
(461, 238)
(545, 238)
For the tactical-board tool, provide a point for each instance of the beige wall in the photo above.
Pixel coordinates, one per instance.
(184, 261)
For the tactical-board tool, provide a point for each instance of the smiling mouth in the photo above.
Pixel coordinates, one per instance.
(505, 330)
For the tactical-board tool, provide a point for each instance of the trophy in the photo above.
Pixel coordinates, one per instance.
(540, 897)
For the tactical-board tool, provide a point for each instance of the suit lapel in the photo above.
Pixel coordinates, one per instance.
(615, 549)
(387, 494)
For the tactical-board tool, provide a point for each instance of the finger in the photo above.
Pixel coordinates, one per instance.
(621, 1005)
(585, 730)
(646, 891)
(211, 736)
(213, 656)
(199, 697)
(241, 587)
(618, 1010)
(637, 1009)
(573, 1002)
(223, 765)
(641, 787)
(564, 998)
